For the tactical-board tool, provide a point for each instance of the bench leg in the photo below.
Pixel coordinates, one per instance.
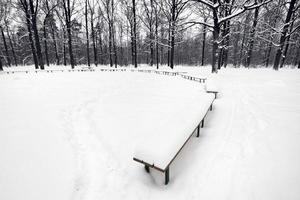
(202, 124)
(167, 176)
(211, 107)
(198, 131)
(147, 168)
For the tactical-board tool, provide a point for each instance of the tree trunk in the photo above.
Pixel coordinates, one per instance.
(134, 32)
(87, 34)
(151, 49)
(132, 44)
(151, 35)
(156, 37)
(297, 55)
(11, 45)
(268, 54)
(173, 34)
(227, 43)
(214, 50)
(223, 35)
(162, 46)
(203, 43)
(113, 34)
(286, 46)
(110, 41)
(115, 49)
(46, 43)
(6, 48)
(36, 35)
(121, 60)
(67, 10)
(220, 57)
(55, 46)
(228, 9)
(1, 65)
(283, 34)
(245, 32)
(28, 23)
(216, 33)
(94, 40)
(236, 45)
(64, 48)
(252, 34)
(269, 47)
(100, 47)
(169, 43)
(69, 30)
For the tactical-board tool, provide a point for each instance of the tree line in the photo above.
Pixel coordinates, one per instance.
(245, 33)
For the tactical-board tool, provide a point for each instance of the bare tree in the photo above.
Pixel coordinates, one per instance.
(172, 10)
(25, 9)
(34, 7)
(149, 22)
(218, 20)
(92, 6)
(204, 13)
(5, 21)
(129, 11)
(5, 47)
(5, 11)
(67, 9)
(87, 32)
(99, 35)
(109, 16)
(48, 25)
(11, 43)
(156, 11)
(134, 33)
(283, 33)
(252, 34)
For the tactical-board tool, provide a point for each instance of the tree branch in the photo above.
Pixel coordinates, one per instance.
(245, 8)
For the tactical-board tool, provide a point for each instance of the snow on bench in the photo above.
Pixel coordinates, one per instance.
(164, 140)
(211, 86)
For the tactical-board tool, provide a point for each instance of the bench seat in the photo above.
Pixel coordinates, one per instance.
(163, 141)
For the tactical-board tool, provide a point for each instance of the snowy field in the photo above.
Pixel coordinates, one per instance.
(71, 135)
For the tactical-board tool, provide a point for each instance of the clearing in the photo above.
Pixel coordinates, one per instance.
(71, 135)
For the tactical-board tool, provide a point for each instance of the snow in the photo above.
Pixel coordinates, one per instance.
(211, 83)
(177, 119)
(71, 135)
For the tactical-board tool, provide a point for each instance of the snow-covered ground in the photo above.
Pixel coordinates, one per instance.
(72, 136)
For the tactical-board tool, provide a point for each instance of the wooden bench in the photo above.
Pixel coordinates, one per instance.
(157, 72)
(211, 88)
(164, 166)
(213, 92)
(192, 78)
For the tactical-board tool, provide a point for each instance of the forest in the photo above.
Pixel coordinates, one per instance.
(240, 33)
